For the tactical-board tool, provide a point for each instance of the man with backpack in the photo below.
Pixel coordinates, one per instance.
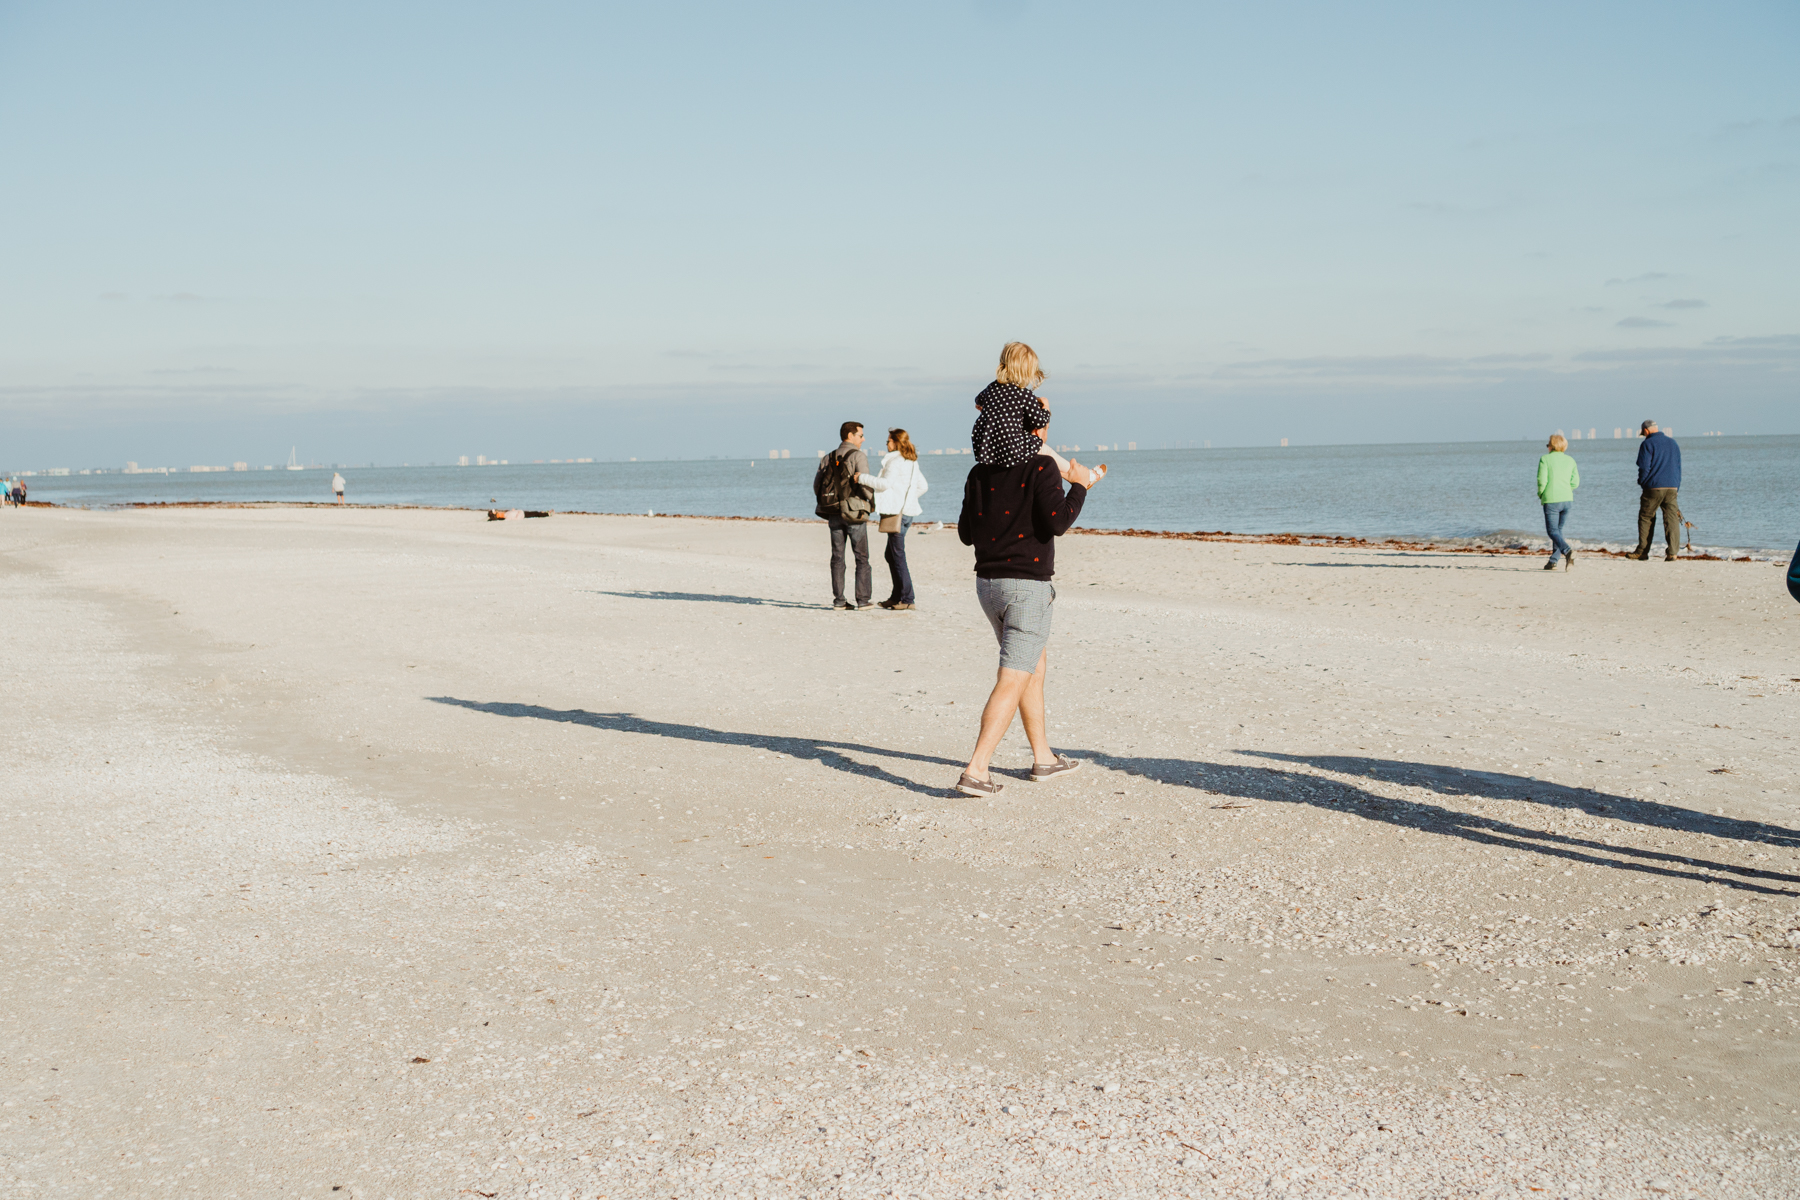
(845, 500)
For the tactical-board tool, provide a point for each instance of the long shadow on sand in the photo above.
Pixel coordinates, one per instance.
(1272, 785)
(713, 598)
(822, 750)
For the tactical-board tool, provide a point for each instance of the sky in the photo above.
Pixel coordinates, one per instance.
(403, 232)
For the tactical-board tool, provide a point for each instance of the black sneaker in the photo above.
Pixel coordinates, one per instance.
(843, 604)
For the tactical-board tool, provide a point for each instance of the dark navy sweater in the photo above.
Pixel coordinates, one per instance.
(1659, 462)
(1013, 516)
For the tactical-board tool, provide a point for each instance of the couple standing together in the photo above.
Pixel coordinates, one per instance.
(1014, 507)
(846, 494)
(1659, 478)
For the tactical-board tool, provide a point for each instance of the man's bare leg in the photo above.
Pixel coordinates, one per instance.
(1009, 688)
(1031, 713)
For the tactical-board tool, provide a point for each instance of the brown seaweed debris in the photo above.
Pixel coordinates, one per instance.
(1340, 540)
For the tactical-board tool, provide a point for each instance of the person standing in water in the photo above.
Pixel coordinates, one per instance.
(1557, 479)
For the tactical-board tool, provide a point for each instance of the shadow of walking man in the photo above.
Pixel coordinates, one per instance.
(822, 750)
(1272, 785)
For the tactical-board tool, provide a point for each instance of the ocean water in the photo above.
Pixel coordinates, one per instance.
(1739, 492)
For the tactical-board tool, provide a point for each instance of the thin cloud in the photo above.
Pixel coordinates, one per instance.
(1648, 277)
(1683, 304)
(1776, 349)
(1643, 323)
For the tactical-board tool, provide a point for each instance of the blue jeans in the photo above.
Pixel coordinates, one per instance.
(1554, 516)
(896, 561)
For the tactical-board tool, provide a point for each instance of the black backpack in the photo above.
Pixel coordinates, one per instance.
(838, 493)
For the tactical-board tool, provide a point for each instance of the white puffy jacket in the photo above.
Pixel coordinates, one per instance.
(901, 482)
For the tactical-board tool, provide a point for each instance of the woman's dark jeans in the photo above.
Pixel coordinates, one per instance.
(896, 561)
(1554, 516)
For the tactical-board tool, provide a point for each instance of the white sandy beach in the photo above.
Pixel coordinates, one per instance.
(376, 853)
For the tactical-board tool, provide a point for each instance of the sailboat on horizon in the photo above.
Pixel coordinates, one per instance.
(293, 464)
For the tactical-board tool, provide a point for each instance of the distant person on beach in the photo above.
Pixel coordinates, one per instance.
(842, 495)
(1012, 516)
(897, 492)
(337, 486)
(1557, 480)
(1659, 475)
(19, 492)
(1014, 422)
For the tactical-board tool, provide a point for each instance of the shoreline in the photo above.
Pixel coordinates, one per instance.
(1343, 541)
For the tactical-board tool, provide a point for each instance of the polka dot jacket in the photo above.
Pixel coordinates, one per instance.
(1002, 433)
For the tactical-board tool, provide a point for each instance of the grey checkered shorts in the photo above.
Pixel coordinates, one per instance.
(1019, 611)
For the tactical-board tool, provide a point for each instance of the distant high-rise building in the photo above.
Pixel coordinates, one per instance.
(1284, 441)
(1131, 445)
(131, 468)
(785, 454)
(244, 466)
(462, 460)
(1575, 436)
(774, 454)
(1590, 435)
(1617, 432)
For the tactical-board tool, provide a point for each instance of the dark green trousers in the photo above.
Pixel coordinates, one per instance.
(1654, 499)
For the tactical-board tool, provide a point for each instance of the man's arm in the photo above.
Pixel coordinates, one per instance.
(1051, 509)
(971, 509)
(1644, 457)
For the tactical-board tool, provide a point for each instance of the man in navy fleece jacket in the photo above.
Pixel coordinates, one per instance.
(1659, 474)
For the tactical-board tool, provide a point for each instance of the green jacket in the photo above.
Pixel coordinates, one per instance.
(1557, 478)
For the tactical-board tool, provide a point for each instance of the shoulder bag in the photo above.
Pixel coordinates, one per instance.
(891, 522)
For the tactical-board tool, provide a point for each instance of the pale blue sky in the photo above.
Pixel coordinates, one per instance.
(406, 231)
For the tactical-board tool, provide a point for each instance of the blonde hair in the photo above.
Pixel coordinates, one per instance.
(1019, 366)
(904, 445)
(1558, 442)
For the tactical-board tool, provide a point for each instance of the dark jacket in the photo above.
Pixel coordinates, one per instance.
(859, 465)
(1013, 516)
(1659, 462)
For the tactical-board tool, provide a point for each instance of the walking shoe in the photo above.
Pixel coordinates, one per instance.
(1568, 560)
(1551, 565)
(887, 604)
(1641, 556)
(1062, 766)
(842, 604)
(904, 606)
(968, 785)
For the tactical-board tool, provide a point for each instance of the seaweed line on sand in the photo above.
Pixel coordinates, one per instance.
(1199, 535)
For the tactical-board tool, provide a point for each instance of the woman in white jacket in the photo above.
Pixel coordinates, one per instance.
(897, 492)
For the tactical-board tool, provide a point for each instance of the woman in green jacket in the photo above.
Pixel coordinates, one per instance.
(1557, 481)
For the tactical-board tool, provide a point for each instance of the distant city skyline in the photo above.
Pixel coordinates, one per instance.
(390, 232)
